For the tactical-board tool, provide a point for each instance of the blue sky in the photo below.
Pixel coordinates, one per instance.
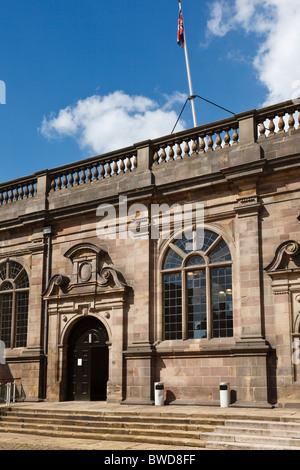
(86, 77)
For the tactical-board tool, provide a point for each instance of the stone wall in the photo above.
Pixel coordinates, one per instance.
(246, 176)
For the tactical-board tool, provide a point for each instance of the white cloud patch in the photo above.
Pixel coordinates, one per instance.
(277, 24)
(104, 123)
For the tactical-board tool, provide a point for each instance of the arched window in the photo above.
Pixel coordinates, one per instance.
(14, 295)
(197, 287)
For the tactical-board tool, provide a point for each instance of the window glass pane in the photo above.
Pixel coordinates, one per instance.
(195, 261)
(3, 271)
(23, 282)
(5, 318)
(173, 260)
(205, 239)
(6, 286)
(21, 321)
(196, 298)
(173, 306)
(221, 285)
(221, 253)
(185, 243)
(15, 268)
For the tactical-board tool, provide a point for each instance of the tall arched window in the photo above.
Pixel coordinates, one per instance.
(197, 287)
(14, 295)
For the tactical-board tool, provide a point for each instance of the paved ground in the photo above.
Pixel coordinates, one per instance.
(17, 441)
(30, 442)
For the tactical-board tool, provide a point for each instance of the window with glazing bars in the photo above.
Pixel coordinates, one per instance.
(14, 297)
(197, 287)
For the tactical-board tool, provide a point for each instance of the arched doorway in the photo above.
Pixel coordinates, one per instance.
(88, 361)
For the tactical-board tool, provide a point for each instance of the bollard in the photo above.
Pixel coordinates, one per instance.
(224, 394)
(159, 389)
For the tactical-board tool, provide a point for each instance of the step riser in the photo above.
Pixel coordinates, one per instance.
(251, 439)
(115, 437)
(258, 432)
(10, 420)
(94, 431)
(131, 419)
(230, 446)
(265, 426)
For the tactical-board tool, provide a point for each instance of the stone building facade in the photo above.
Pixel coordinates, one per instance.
(110, 280)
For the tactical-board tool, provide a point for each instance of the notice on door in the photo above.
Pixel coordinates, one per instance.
(79, 362)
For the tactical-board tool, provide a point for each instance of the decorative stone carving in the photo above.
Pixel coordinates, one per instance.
(287, 257)
(88, 278)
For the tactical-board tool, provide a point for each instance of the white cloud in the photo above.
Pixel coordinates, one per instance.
(277, 23)
(104, 123)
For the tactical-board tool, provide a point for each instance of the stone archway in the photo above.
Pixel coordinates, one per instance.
(87, 362)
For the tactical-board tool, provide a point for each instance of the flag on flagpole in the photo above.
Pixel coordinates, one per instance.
(180, 32)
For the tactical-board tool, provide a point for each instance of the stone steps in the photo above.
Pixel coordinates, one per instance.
(178, 430)
(254, 435)
(197, 430)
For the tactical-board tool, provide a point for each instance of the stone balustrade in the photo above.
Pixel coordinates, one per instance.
(239, 131)
(94, 169)
(17, 190)
(278, 119)
(197, 141)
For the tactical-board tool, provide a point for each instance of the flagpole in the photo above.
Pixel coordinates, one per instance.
(189, 76)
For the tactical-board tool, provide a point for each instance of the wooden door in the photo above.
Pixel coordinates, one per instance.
(88, 362)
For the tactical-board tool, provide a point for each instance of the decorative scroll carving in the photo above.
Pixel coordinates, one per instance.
(287, 257)
(109, 277)
(56, 284)
(88, 277)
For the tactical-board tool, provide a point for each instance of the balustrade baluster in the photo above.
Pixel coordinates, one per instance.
(202, 144)
(95, 173)
(178, 151)
(281, 124)
(210, 142)
(89, 174)
(31, 190)
(77, 177)
(1, 198)
(291, 122)
(108, 170)
(155, 157)
(171, 151)
(235, 136)
(71, 179)
(102, 171)
(65, 181)
(83, 176)
(21, 192)
(262, 130)
(122, 166)
(6, 196)
(16, 194)
(58, 183)
(186, 149)
(53, 184)
(218, 141)
(226, 138)
(114, 168)
(194, 146)
(11, 196)
(271, 127)
(163, 155)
